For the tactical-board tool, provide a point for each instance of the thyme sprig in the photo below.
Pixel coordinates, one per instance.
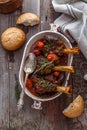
(47, 84)
(44, 65)
(48, 45)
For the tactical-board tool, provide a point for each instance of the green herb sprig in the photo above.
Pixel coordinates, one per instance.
(48, 45)
(44, 65)
(47, 84)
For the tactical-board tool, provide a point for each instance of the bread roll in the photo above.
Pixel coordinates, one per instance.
(28, 19)
(75, 108)
(12, 38)
(7, 6)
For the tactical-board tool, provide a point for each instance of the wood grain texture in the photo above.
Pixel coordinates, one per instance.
(80, 87)
(27, 119)
(4, 81)
(51, 117)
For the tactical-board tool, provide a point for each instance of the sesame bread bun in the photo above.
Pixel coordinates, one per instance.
(75, 108)
(12, 38)
(28, 19)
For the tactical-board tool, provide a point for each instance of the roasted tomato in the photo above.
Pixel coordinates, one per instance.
(40, 44)
(56, 74)
(37, 52)
(52, 57)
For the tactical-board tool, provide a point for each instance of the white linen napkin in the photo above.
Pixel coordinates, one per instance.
(73, 21)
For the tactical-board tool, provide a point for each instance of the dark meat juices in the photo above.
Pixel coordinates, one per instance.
(43, 81)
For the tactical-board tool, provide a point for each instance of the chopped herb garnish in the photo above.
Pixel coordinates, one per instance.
(48, 45)
(47, 84)
(45, 64)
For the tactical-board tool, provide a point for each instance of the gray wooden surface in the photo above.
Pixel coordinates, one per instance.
(51, 117)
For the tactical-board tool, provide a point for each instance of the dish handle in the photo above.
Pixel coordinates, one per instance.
(55, 28)
(37, 105)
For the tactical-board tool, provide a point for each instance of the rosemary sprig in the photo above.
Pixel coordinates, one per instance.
(47, 84)
(44, 65)
(17, 92)
(48, 45)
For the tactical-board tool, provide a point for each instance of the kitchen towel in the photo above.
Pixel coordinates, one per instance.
(73, 21)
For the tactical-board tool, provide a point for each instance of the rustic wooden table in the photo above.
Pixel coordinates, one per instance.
(51, 117)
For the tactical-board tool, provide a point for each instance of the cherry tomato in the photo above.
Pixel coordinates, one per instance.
(37, 52)
(40, 44)
(29, 83)
(52, 57)
(49, 58)
(56, 74)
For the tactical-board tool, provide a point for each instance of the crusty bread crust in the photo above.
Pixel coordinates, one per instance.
(28, 19)
(7, 6)
(75, 109)
(12, 38)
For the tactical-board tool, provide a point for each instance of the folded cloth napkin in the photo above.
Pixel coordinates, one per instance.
(73, 21)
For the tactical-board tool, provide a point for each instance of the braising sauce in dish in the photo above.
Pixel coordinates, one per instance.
(43, 81)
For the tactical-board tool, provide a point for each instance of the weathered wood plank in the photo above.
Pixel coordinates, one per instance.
(29, 118)
(80, 87)
(4, 80)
